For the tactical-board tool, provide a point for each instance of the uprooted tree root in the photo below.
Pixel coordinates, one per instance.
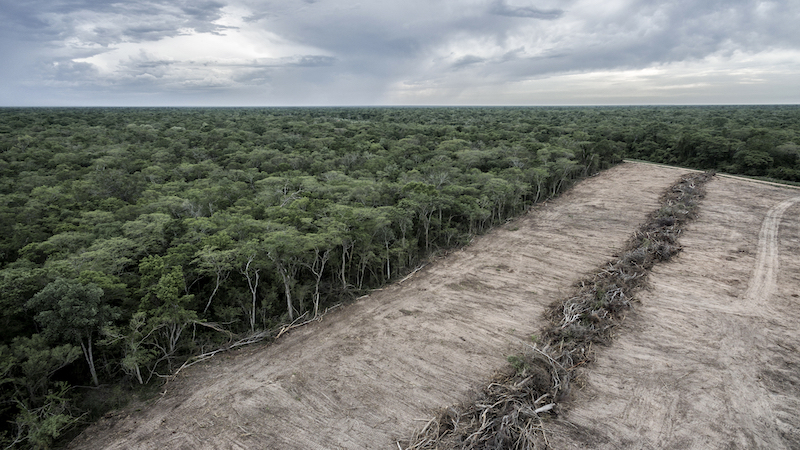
(509, 412)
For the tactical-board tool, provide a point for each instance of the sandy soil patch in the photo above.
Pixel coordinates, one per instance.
(367, 374)
(709, 359)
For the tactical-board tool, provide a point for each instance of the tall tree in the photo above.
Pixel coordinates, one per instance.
(286, 248)
(216, 263)
(250, 266)
(166, 306)
(73, 312)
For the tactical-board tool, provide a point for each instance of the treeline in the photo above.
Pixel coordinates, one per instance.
(135, 238)
(760, 141)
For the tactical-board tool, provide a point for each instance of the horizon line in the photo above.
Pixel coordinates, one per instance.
(575, 105)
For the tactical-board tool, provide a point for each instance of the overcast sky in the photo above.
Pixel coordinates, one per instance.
(398, 52)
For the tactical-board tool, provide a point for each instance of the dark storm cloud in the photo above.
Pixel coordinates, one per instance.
(656, 32)
(263, 72)
(255, 17)
(501, 8)
(689, 29)
(467, 61)
(110, 21)
(313, 61)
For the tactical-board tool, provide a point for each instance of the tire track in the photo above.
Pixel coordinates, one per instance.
(764, 278)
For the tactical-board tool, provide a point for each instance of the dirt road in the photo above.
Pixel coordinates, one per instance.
(369, 373)
(763, 282)
(709, 359)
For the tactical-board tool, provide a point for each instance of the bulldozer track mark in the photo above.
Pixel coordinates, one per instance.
(765, 274)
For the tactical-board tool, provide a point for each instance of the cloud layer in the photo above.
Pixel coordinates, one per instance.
(335, 52)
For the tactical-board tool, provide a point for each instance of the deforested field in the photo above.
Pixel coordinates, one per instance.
(708, 359)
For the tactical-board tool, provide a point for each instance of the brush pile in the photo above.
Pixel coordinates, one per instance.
(509, 413)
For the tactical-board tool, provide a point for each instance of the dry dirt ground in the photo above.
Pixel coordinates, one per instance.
(709, 359)
(702, 363)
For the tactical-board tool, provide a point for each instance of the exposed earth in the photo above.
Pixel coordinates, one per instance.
(709, 359)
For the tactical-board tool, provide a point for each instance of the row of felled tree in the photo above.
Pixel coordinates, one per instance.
(137, 238)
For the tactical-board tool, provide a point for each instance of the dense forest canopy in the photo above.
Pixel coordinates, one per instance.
(135, 238)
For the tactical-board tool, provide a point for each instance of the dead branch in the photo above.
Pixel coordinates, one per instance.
(412, 273)
(507, 413)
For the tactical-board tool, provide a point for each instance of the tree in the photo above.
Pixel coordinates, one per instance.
(538, 177)
(147, 232)
(285, 249)
(110, 256)
(165, 305)
(753, 162)
(41, 426)
(422, 198)
(216, 263)
(345, 216)
(37, 361)
(563, 168)
(72, 312)
(249, 265)
(137, 353)
(321, 244)
(17, 285)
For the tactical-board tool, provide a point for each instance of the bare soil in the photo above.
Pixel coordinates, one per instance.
(703, 362)
(709, 359)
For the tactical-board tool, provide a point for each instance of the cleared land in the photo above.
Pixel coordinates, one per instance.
(709, 358)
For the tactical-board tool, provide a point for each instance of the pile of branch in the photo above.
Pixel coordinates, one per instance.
(509, 413)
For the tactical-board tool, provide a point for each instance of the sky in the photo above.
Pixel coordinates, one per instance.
(398, 52)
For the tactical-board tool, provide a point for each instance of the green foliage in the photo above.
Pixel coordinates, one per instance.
(748, 140)
(40, 427)
(35, 362)
(18, 283)
(155, 331)
(69, 311)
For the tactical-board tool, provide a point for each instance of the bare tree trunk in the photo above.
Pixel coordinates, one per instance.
(317, 268)
(287, 289)
(346, 246)
(388, 262)
(252, 284)
(214, 292)
(87, 353)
